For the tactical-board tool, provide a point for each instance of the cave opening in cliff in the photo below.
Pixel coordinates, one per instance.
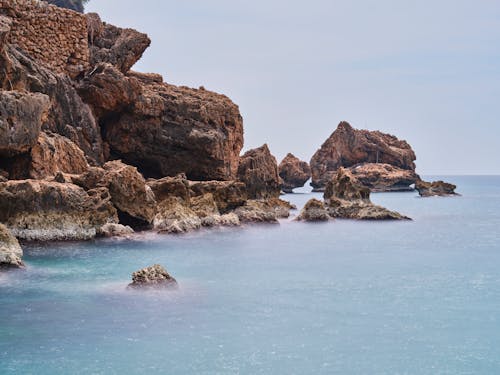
(133, 222)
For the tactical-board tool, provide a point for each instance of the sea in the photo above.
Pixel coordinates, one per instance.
(343, 297)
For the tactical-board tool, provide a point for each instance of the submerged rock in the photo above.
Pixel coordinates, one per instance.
(294, 173)
(384, 177)
(11, 252)
(152, 277)
(347, 147)
(314, 210)
(436, 188)
(347, 198)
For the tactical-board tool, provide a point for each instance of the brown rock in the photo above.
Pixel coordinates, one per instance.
(259, 171)
(21, 118)
(384, 177)
(172, 130)
(347, 147)
(314, 210)
(294, 173)
(228, 195)
(346, 198)
(436, 188)
(175, 216)
(152, 277)
(115, 230)
(167, 187)
(11, 252)
(39, 210)
(258, 211)
(53, 154)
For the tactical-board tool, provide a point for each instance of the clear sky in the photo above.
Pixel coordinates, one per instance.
(426, 71)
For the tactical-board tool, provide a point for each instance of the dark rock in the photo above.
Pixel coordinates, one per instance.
(294, 173)
(168, 187)
(152, 277)
(228, 195)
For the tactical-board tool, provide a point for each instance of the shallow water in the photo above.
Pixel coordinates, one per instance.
(420, 297)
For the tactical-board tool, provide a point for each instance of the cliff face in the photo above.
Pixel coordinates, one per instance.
(347, 147)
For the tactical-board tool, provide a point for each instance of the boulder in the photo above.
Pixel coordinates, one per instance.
(11, 252)
(175, 216)
(294, 173)
(347, 147)
(21, 117)
(206, 208)
(258, 169)
(384, 177)
(40, 210)
(115, 230)
(257, 211)
(314, 210)
(53, 154)
(167, 187)
(436, 188)
(346, 198)
(228, 195)
(171, 130)
(152, 277)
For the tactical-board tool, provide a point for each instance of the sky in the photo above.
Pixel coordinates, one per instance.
(425, 71)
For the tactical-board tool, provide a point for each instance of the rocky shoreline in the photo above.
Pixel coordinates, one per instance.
(90, 148)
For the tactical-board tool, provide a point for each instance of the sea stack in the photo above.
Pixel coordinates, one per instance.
(294, 173)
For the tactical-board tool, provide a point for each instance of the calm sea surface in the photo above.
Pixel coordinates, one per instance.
(345, 297)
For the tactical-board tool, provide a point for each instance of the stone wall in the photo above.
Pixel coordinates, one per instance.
(55, 36)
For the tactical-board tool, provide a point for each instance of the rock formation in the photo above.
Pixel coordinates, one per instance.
(11, 252)
(347, 147)
(152, 277)
(258, 169)
(314, 210)
(294, 173)
(384, 177)
(436, 188)
(346, 198)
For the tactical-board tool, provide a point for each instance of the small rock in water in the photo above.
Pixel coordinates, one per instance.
(436, 188)
(153, 277)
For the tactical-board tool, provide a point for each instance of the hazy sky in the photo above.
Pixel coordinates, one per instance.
(426, 71)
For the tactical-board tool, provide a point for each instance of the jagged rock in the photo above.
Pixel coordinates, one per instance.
(11, 252)
(116, 46)
(129, 192)
(347, 147)
(294, 173)
(384, 177)
(228, 195)
(21, 118)
(68, 114)
(167, 187)
(153, 277)
(205, 207)
(171, 130)
(436, 188)
(115, 230)
(259, 171)
(5, 26)
(346, 198)
(174, 216)
(257, 211)
(53, 154)
(107, 90)
(314, 210)
(39, 210)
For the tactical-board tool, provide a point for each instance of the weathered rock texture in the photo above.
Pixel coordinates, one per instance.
(384, 177)
(258, 169)
(228, 195)
(314, 210)
(155, 276)
(54, 36)
(347, 198)
(11, 252)
(44, 211)
(293, 172)
(347, 147)
(436, 188)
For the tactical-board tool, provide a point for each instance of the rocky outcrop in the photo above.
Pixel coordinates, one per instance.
(258, 169)
(228, 195)
(175, 216)
(263, 210)
(167, 187)
(384, 177)
(294, 173)
(21, 118)
(347, 147)
(314, 210)
(40, 210)
(436, 188)
(346, 198)
(206, 208)
(53, 154)
(11, 252)
(152, 277)
(115, 230)
(171, 130)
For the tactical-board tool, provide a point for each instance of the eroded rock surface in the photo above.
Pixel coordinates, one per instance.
(11, 252)
(294, 173)
(153, 277)
(384, 177)
(314, 210)
(347, 147)
(436, 188)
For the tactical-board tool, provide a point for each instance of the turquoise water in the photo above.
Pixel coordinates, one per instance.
(345, 297)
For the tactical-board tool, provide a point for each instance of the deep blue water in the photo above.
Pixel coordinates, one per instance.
(420, 297)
